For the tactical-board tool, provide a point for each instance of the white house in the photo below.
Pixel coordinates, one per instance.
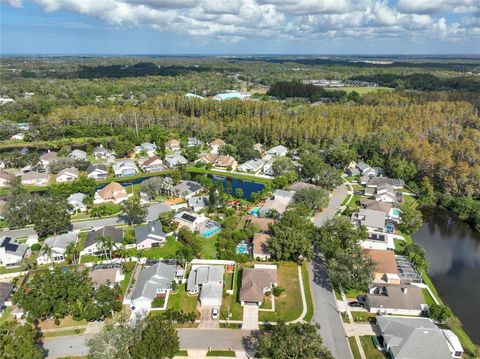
(175, 159)
(67, 175)
(78, 155)
(190, 220)
(113, 192)
(47, 158)
(11, 252)
(34, 178)
(173, 145)
(252, 166)
(151, 164)
(5, 178)
(208, 280)
(278, 151)
(149, 235)
(125, 169)
(75, 200)
(215, 145)
(97, 171)
(92, 245)
(58, 246)
(101, 153)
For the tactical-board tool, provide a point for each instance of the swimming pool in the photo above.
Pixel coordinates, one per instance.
(396, 212)
(242, 248)
(210, 228)
(255, 211)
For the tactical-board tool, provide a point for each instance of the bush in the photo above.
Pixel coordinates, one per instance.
(158, 302)
(277, 291)
(35, 247)
(129, 266)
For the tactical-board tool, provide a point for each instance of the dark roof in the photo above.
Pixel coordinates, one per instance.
(5, 290)
(98, 166)
(12, 246)
(143, 231)
(116, 234)
(188, 217)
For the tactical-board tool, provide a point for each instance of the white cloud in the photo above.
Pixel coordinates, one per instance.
(236, 20)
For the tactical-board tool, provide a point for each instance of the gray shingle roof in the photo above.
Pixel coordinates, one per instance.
(397, 296)
(186, 188)
(152, 279)
(143, 231)
(116, 234)
(62, 240)
(5, 290)
(202, 275)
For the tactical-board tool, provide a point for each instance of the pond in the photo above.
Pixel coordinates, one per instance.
(248, 187)
(453, 250)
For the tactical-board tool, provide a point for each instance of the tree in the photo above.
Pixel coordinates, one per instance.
(417, 255)
(313, 198)
(239, 192)
(19, 341)
(341, 154)
(317, 171)
(282, 165)
(291, 237)
(300, 341)
(49, 214)
(72, 252)
(134, 211)
(411, 219)
(105, 244)
(47, 251)
(426, 192)
(159, 340)
(439, 313)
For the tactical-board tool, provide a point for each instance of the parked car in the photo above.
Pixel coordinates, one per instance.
(355, 304)
(215, 313)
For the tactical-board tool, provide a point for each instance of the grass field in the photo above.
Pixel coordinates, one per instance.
(221, 353)
(230, 303)
(370, 349)
(354, 347)
(182, 301)
(360, 90)
(64, 323)
(363, 317)
(62, 333)
(308, 293)
(166, 251)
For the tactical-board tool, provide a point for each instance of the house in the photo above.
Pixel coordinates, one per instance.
(208, 158)
(149, 235)
(226, 162)
(101, 153)
(5, 178)
(417, 338)
(186, 189)
(154, 281)
(92, 245)
(380, 241)
(256, 282)
(194, 142)
(151, 164)
(125, 169)
(198, 203)
(400, 299)
(97, 171)
(18, 137)
(99, 275)
(261, 223)
(366, 170)
(296, 186)
(216, 144)
(75, 200)
(353, 171)
(277, 203)
(112, 192)
(375, 182)
(278, 151)
(47, 158)
(386, 270)
(6, 290)
(373, 220)
(208, 281)
(58, 245)
(173, 145)
(268, 166)
(231, 96)
(195, 96)
(383, 193)
(175, 159)
(67, 175)
(260, 246)
(78, 155)
(259, 148)
(252, 166)
(11, 252)
(148, 148)
(190, 220)
(34, 178)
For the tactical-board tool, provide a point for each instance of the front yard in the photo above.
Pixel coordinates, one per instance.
(182, 301)
(370, 348)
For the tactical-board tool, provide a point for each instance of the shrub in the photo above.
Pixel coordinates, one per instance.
(35, 247)
(158, 302)
(277, 291)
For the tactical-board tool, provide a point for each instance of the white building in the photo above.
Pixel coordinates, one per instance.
(67, 175)
(58, 246)
(278, 151)
(11, 252)
(76, 201)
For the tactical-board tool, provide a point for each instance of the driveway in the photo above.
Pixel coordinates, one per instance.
(206, 320)
(250, 317)
(338, 196)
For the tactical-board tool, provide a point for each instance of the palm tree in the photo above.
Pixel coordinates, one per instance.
(47, 251)
(106, 245)
(72, 252)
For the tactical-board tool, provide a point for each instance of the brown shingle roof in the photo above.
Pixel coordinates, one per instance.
(102, 276)
(260, 243)
(217, 142)
(151, 160)
(384, 259)
(225, 161)
(261, 223)
(109, 190)
(6, 176)
(254, 281)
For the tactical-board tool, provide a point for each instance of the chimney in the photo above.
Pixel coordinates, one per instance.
(404, 290)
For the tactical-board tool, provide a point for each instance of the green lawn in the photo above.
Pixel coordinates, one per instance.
(6, 315)
(125, 281)
(428, 297)
(288, 306)
(182, 353)
(363, 317)
(182, 301)
(6, 270)
(168, 250)
(209, 249)
(353, 293)
(62, 333)
(370, 349)
(360, 90)
(243, 176)
(221, 353)
(354, 347)
(338, 296)
(230, 303)
(308, 294)
(90, 259)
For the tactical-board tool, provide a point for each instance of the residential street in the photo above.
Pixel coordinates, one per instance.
(338, 195)
(66, 346)
(213, 338)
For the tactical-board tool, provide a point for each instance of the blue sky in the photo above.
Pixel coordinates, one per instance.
(240, 27)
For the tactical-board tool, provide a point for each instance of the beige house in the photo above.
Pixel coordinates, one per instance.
(216, 144)
(256, 282)
(33, 178)
(173, 145)
(113, 192)
(386, 270)
(67, 175)
(5, 178)
(260, 246)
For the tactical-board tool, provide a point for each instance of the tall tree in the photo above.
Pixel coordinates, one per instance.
(313, 198)
(411, 219)
(158, 340)
(18, 341)
(134, 211)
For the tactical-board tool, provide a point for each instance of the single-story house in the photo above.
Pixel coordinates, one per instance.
(58, 245)
(76, 201)
(5, 178)
(175, 159)
(11, 252)
(113, 192)
(78, 155)
(173, 145)
(353, 171)
(386, 270)
(97, 171)
(401, 299)
(417, 338)
(260, 246)
(296, 186)
(148, 148)
(101, 153)
(373, 220)
(226, 162)
(151, 164)
(186, 189)
(194, 142)
(67, 175)
(125, 169)
(149, 235)
(380, 241)
(256, 282)
(216, 144)
(259, 148)
(34, 178)
(92, 245)
(6, 290)
(278, 151)
(153, 281)
(261, 223)
(208, 280)
(278, 203)
(375, 182)
(18, 137)
(47, 158)
(198, 203)
(252, 166)
(105, 276)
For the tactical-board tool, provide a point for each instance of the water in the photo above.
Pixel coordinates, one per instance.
(248, 187)
(453, 250)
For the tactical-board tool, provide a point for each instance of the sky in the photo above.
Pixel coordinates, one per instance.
(167, 27)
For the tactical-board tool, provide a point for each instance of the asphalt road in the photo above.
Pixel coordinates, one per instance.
(326, 314)
(154, 211)
(66, 346)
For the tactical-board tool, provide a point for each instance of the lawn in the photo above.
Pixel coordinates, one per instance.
(308, 294)
(209, 248)
(182, 301)
(62, 333)
(168, 250)
(90, 259)
(370, 348)
(354, 347)
(363, 317)
(230, 303)
(6, 270)
(359, 90)
(243, 176)
(428, 297)
(64, 323)
(221, 353)
(288, 306)
(182, 353)
(6, 315)
(353, 293)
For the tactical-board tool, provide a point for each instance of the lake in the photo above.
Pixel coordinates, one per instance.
(453, 250)
(248, 187)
